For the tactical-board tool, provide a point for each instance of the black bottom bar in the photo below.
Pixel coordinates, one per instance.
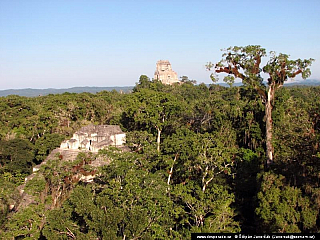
(199, 236)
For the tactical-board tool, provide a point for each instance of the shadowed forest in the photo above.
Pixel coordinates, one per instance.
(207, 174)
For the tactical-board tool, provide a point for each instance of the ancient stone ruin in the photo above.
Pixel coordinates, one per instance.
(165, 74)
(88, 139)
(95, 137)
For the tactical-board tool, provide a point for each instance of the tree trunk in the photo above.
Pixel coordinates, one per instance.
(171, 170)
(204, 182)
(158, 140)
(268, 112)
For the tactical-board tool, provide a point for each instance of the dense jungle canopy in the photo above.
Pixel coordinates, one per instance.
(197, 163)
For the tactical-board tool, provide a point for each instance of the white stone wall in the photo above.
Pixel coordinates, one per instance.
(74, 145)
(118, 139)
(64, 145)
(88, 142)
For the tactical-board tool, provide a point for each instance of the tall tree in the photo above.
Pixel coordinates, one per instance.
(149, 110)
(244, 63)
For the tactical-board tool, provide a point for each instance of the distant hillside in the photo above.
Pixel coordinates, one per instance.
(237, 84)
(307, 82)
(29, 92)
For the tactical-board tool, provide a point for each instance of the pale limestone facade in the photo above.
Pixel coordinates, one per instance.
(165, 74)
(95, 137)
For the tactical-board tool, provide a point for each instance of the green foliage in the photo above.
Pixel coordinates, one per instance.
(280, 68)
(283, 208)
(146, 83)
(25, 224)
(132, 202)
(16, 155)
(46, 144)
(8, 195)
(229, 80)
(203, 179)
(36, 185)
(248, 165)
(185, 79)
(208, 211)
(140, 141)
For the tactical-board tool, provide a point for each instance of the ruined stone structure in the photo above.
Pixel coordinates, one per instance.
(95, 137)
(165, 74)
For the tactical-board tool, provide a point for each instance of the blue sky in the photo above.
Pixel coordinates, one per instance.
(68, 43)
